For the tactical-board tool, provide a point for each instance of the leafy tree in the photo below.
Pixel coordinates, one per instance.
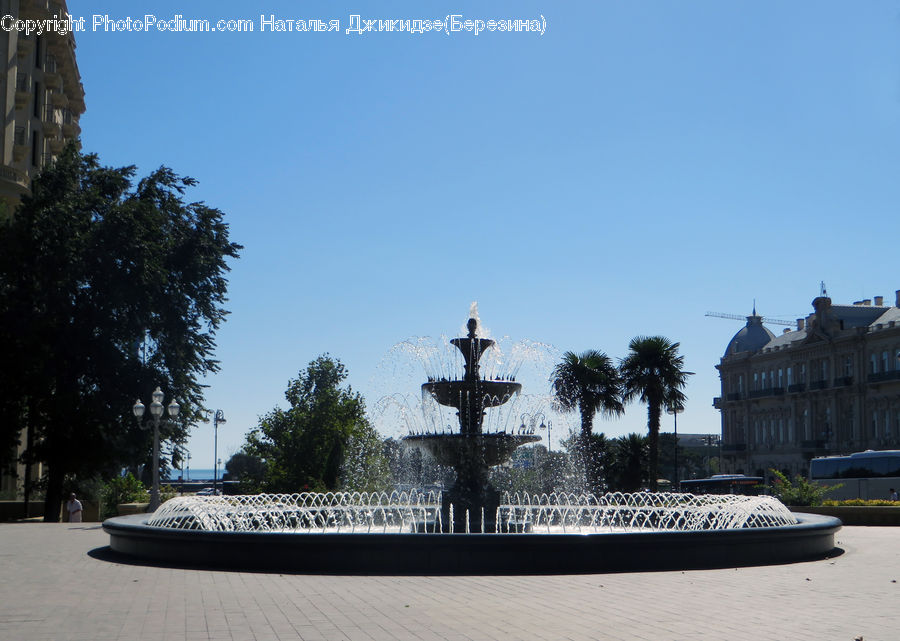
(628, 469)
(590, 383)
(249, 470)
(91, 267)
(652, 371)
(323, 433)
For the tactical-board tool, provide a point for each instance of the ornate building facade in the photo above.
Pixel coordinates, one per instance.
(829, 386)
(42, 97)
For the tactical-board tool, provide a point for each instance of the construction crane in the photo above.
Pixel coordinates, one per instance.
(770, 321)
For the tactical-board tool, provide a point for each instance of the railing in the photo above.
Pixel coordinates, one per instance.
(883, 376)
(734, 396)
(843, 381)
(21, 82)
(796, 387)
(21, 136)
(815, 385)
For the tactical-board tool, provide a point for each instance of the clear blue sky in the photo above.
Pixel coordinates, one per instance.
(638, 165)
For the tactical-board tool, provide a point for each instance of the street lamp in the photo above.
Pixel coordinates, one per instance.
(156, 412)
(218, 418)
(675, 410)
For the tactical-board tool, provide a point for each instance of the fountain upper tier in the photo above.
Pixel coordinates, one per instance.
(471, 395)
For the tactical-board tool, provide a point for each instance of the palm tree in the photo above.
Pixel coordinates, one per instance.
(590, 383)
(653, 372)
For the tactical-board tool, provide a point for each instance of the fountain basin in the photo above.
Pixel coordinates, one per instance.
(812, 537)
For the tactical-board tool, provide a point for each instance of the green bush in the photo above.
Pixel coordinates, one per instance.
(124, 489)
(862, 503)
(799, 492)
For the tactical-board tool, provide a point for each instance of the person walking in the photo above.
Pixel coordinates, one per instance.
(74, 508)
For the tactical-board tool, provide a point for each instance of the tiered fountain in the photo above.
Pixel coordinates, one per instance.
(469, 528)
(471, 504)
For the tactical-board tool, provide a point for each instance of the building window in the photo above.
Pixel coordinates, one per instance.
(780, 377)
(790, 376)
(887, 423)
(781, 430)
(755, 381)
(848, 367)
(885, 367)
(37, 100)
(873, 364)
(824, 369)
(763, 383)
(806, 434)
(740, 384)
(802, 373)
(35, 149)
(875, 433)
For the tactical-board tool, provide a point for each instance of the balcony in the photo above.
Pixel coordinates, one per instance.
(733, 396)
(52, 78)
(733, 448)
(843, 381)
(813, 446)
(717, 402)
(25, 45)
(769, 391)
(817, 385)
(23, 93)
(881, 377)
(795, 388)
(70, 126)
(51, 120)
(20, 144)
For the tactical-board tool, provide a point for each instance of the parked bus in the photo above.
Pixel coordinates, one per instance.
(865, 475)
(724, 484)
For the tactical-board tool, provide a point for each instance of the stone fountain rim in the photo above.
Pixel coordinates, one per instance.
(410, 553)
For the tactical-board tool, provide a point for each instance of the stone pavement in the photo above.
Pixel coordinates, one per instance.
(57, 582)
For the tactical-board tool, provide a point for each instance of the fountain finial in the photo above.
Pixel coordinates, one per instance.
(472, 325)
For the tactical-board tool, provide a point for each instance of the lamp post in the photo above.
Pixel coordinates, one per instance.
(156, 412)
(675, 410)
(218, 418)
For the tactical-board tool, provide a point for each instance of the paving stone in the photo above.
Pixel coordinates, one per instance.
(58, 583)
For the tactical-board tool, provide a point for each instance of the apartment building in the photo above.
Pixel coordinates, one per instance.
(42, 101)
(831, 385)
(42, 97)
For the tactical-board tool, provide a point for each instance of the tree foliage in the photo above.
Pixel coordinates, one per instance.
(653, 373)
(323, 441)
(91, 267)
(589, 383)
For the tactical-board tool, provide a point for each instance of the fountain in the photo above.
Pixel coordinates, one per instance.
(471, 452)
(471, 527)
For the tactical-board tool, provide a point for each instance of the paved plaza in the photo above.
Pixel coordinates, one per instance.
(60, 582)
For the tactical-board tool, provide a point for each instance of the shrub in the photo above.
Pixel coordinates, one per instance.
(862, 503)
(800, 491)
(124, 489)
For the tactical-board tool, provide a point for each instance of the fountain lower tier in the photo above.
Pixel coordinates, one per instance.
(481, 393)
(464, 450)
(474, 499)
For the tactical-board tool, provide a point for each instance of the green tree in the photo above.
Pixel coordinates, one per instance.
(91, 267)
(247, 469)
(652, 371)
(628, 469)
(323, 433)
(589, 383)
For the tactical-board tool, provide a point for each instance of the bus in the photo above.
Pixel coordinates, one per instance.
(724, 484)
(865, 475)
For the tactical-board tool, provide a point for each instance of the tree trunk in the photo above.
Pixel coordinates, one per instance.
(654, 411)
(53, 499)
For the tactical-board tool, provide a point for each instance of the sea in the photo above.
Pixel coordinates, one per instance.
(199, 474)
